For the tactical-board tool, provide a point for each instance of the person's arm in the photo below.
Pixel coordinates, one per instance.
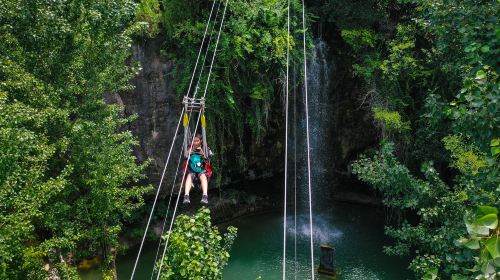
(199, 150)
(210, 154)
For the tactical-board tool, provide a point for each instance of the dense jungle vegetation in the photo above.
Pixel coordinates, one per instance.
(428, 69)
(431, 81)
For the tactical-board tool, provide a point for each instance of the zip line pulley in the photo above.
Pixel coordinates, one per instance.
(192, 104)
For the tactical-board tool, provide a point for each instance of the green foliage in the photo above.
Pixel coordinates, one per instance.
(384, 172)
(359, 39)
(440, 209)
(437, 67)
(465, 157)
(390, 120)
(248, 71)
(466, 34)
(483, 230)
(495, 147)
(196, 248)
(148, 11)
(67, 172)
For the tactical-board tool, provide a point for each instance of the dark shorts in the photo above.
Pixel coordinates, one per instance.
(196, 175)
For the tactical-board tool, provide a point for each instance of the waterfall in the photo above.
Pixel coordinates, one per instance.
(319, 74)
(320, 70)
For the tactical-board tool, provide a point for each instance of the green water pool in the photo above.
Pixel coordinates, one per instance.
(355, 231)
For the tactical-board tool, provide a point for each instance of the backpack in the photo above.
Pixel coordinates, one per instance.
(196, 163)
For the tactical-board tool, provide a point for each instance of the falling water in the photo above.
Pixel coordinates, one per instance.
(320, 74)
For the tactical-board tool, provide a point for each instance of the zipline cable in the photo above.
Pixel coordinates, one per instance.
(215, 50)
(166, 214)
(170, 151)
(181, 152)
(201, 47)
(206, 52)
(307, 138)
(192, 142)
(156, 198)
(295, 174)
(286, 139)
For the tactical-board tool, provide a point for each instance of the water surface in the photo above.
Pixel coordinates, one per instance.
(355, 231)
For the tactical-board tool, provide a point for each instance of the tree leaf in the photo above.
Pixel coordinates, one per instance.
(495, 151)
(495, 142)
(459, 277)
(472, 244)
(485, 210)
(430, 274)
(489, 221)
(493, 247)
(485, 49)
(474, 229)
(480, 75)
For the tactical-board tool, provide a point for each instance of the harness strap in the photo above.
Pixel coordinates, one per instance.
(204, 134)
(186, 134)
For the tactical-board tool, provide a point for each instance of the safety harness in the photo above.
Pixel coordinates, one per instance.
(197, 163)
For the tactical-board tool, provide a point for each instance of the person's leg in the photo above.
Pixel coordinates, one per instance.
(204, 183)
(187, 188)
(189, 183)
(204, 188)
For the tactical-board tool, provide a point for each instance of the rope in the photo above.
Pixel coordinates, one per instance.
(295, 176)
(286, 139)
(189, 119)
(208, 47)
(171, 147)
(156, 198)
(168, 208)
(215, 51)
(307, 137)
(201, 47)
(192, 142)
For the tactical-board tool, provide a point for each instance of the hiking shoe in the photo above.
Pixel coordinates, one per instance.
(204, 199)
(186, 199)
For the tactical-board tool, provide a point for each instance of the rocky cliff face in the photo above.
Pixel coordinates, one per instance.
(155, 105)
(348, 126)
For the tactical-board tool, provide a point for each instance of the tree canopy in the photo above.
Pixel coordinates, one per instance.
(67, 173)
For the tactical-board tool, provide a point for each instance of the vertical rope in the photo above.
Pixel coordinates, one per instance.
(307, 138)
(286, 139)
(295, 175)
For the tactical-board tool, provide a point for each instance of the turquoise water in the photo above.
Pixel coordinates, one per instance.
(355, 231)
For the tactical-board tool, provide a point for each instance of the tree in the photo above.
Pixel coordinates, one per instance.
(67, 170)
(437, 69)
(196, 249)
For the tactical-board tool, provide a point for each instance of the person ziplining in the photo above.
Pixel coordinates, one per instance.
(186, 122)
(197, 155)
(197, 170)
